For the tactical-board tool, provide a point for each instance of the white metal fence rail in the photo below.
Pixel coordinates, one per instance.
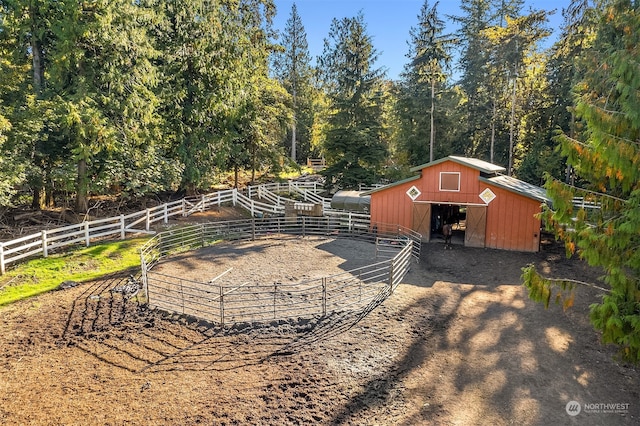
(45, 242)
(246, 302)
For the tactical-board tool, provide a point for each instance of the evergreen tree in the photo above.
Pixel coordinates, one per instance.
(292, 67)
(509, 46)
(473, 63)
(430, 57)
(355, 144)
(606, 158)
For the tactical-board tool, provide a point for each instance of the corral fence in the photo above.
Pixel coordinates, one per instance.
(49, 241)
(249, 302)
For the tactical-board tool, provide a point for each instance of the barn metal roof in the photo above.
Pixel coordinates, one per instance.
(391, 185)
(503, 181)
(474, 163)
(518, 186)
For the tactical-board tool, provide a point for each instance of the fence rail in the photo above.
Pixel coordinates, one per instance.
(248, 302)
(45, 242)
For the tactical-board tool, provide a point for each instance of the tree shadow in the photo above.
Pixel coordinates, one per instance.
(121, 331)
(511, 362)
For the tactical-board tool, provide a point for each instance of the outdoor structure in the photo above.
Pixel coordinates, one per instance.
(351, 200)
(486, 208)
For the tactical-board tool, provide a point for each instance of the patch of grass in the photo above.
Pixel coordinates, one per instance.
(39, 276)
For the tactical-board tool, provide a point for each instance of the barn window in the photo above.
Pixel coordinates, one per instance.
(450, 181)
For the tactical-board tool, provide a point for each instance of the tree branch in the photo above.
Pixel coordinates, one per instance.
(568, 280)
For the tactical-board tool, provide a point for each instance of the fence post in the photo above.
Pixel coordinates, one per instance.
(234, 196)
(304, 223)
(86, 234)
(221, 305)
(166, 213)
(122, 233)
(2, 259)
(253, 229)
(324, 296)
(202, 201)
(45, 252)
(391, 278)
(145, 282)
(182, 295)
(148, 219)
(275, 294)
(184, 207)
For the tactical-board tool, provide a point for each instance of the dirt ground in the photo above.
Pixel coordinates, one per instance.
(458, 343)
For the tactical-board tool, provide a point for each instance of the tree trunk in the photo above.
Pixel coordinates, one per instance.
(293, 128)
(493, 132)
(511, 131)
(82, 187)
(432, 134)
(38, 201)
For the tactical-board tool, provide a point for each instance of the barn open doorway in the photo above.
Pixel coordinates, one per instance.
(454, 214)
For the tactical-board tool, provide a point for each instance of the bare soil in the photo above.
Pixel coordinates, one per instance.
(457, 343)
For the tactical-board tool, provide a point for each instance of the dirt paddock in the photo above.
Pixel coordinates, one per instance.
(457, 343)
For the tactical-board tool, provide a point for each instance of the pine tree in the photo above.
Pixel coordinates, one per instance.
(606, 159)
(430, 58)
(355, 144)
(292, 67)
(509, 49)
(474, 57)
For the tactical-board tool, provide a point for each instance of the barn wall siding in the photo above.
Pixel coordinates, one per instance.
(429, 184)
(511, 224)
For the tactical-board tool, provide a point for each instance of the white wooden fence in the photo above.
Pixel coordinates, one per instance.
(47, 241)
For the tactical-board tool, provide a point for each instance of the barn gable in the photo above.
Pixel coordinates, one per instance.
(502, 209)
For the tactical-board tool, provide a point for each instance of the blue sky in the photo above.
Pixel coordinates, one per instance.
(388, 22)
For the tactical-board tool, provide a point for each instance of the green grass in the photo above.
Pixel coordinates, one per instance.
(39, 276)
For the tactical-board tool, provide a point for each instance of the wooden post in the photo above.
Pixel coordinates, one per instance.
(45, 252)
(86, 234)
(253, 229)
(166, 213)
(184, 207)
(122, 233)
(202, 201)
(2, 267)
(148, 219)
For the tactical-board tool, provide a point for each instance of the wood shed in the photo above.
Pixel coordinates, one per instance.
(486, 207)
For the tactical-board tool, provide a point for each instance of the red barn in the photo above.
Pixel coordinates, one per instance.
(490, 209)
